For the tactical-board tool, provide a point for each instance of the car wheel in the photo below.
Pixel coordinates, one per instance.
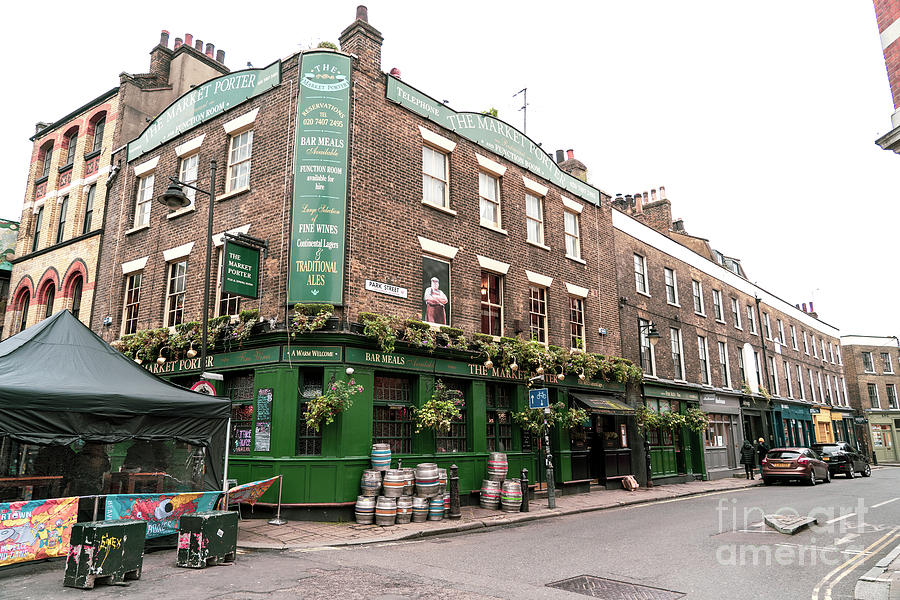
(812, 477)
(850, 472)
(867, 471)
(767, 481)
(827, 476)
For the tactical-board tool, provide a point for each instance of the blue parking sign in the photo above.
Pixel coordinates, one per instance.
(539, 398)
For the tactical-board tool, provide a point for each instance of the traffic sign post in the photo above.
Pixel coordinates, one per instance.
(538, 398)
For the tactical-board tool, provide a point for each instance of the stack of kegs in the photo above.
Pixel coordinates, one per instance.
(497, 491)
(387, 494)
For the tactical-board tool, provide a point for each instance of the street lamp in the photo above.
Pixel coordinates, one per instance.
(175, 198)
(652, 333)
(653, 337)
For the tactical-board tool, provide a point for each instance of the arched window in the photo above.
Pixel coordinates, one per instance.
(22, 308)
(47, 158)
(98, 125)
(49, 297)
(76, 288)
(71, 144)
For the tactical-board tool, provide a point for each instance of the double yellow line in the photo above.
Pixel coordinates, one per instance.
(851, 564)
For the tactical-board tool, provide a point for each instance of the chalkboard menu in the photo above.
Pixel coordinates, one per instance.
(241, 428)
(263, 420)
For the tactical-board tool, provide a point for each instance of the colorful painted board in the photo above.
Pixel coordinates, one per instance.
(35, 529)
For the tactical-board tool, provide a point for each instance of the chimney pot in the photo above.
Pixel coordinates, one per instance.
(198, 46)
(164, 39)
(662, 192)
(560, 156)
(811, 309)
(804, 307)
(652, 195)
(395, 72)
(570, 154)
(210, 49)
(220, 56)
(178, 43)
(638, 204)
(362, 13)
(188, 39)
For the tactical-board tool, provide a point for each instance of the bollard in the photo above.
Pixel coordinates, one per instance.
(454, 492)
(207, 538)
(524, 479)
(874, 459)
(105, 552)
(551, 480)
(649, 467)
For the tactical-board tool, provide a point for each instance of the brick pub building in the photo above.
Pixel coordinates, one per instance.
(457, 207)
(57, 251)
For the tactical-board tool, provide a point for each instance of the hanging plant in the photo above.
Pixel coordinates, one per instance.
(647, 419)
(381, 328)
(309, 317)
(419, 334)
(673, 420)
(438, 412)
(322, 410)
(531, 420)
(696, 420)
(568, 417)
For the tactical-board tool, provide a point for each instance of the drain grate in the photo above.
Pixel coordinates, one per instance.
(610, 589)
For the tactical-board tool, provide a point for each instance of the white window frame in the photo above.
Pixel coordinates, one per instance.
(485, 201)
(830, 397)
(774, 375)
(543, 317)
(888, 364)
(697, 294)
(129, 277)
(780, 325)
(871, 362)
(703, 353)
(815, 348)
(643, 335)
(718, 310)
(794, 337)
(812, 384)
(767, 325)
(538, 221)
(787, 378)
(220, 282)
(188, 172)
(674, 286)
(573, 237)
(800, 382)
(581, 326)
(236, 179)
(831, 352)
(821, 389)
(640, 277)
(675, 335)
(751, 320)
(143, 203)
(837, 349)
(805, 344)
(892, 402)
(822, 343)
(171, 273)
(724, 362)
(877, 403)
(427, 176)
(736, 312)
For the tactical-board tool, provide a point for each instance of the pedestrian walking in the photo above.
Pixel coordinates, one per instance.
(761, 450)
(748, 458)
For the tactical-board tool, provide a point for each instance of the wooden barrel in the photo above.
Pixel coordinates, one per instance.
(404, 510)
(497, 466)
(381, 457)
(427, 481)
(365, 510)
(409, 485)
(436, 508)
(442, 479)
(385, 511)
(446, 504)
(511, 495)
(490, 494)
(371, 483)
(394, 482)
(419, 510)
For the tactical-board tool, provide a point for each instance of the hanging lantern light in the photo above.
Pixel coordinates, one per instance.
(191, 353)
(539, 370)
(488, 363)
(581, 376)
(514, 367)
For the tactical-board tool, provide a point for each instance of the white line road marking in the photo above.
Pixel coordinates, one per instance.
(885, 502)
(846, 538)
(836, 519)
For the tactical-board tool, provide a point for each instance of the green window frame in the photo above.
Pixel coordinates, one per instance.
(309, 441)
(239, 388)
(457, 439)
(498, 399)
(392, 419)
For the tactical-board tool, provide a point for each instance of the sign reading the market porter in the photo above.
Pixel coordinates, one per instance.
(203, 103)
(318, 220)
(241, 270)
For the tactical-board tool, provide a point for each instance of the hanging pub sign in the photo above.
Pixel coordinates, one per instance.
(240, 270)
(202, 104)
(318, 213)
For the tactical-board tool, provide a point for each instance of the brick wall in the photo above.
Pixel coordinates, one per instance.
(888, 12)
(858, 379)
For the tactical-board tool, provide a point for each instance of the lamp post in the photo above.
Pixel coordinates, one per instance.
(653, 337)
(175, 198)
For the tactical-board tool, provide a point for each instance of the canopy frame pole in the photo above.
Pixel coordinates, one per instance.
(225, 475)
(96, 503)
(278, 520)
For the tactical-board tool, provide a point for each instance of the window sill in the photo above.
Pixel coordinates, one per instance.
(576, 259)
(739, 328)
(536, 245)
(67, 167)
(232, 194)
(93, 154)
(675, 304)
(442, 209)
(700, 314)
(136, 229)
(181, 211)
(754, 333)
(642, 293)
(41, 179)
(721, 321)
(494, 228)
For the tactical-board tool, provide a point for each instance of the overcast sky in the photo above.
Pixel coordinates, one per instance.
(759, 119)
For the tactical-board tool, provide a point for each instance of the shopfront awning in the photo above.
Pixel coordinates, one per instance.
(604, 405)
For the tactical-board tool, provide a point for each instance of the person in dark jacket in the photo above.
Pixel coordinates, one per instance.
(748, 458)
(761, 450)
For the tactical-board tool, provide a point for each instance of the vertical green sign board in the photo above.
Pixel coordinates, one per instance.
(241, 270)
(318, 219)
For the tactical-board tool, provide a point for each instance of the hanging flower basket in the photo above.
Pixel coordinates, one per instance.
(439, 411)
(322, 410)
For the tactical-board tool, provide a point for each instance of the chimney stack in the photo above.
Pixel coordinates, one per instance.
(164, 39)
(220, 56)
(362, 13)
(189, 39)
(198, 46)
(570, 154)
(638, 204)
(560, 156)
(364, 41)
(178, 43)
(210, 49)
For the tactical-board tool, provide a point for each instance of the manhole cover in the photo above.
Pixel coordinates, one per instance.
(610, 589)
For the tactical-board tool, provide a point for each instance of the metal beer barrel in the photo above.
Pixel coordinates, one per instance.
(370, 482)
(497, 466)
(381, 457)
(427, 481)
(436, 508)
(511, 495)
(419, 510)
(385, 511)
(394, 482)
(404, 510)
(490, 494)
(365, 510)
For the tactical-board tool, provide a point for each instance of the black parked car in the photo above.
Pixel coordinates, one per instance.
(843, 458)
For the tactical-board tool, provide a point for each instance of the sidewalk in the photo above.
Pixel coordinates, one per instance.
(881, 582)
(297, 535)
